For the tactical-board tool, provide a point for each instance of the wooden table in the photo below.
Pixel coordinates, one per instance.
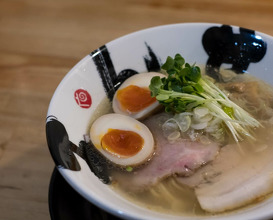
(41, 40)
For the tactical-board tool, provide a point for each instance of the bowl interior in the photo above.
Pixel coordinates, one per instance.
(97, 75)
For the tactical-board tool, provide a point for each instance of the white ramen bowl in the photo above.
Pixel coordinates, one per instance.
(94, 78)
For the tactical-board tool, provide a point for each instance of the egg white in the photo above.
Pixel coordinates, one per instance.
(117, 121)
(141, 80)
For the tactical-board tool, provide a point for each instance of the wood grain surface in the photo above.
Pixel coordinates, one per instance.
(41, 40)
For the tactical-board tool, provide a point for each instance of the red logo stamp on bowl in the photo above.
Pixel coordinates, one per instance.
(83, 98)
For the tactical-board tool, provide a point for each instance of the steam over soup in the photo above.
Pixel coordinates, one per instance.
(207, 149)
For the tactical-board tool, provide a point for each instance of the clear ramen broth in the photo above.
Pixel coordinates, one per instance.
(173, 197)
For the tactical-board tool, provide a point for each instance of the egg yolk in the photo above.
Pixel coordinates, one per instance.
(134, 98)
(122, 143)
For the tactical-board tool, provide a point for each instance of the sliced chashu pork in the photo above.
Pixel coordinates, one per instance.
(181, 158)
(228, 158)
(235, 178)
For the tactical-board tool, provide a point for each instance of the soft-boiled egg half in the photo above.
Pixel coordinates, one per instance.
(133, 97)
(122, 139)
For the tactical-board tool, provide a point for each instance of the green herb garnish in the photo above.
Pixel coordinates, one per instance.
(129, 169)
(184, 88)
